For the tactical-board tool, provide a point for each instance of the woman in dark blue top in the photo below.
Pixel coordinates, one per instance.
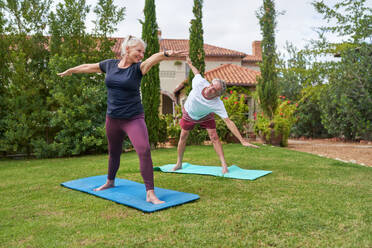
(125, 113)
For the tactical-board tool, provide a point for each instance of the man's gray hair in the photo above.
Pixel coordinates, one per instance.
(130, 41)
(223, 85)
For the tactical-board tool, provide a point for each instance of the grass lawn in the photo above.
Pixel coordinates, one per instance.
(308, 201)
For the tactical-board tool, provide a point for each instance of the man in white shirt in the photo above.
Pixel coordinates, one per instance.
(201, 104)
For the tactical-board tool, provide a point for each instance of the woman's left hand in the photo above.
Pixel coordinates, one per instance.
(172, 53)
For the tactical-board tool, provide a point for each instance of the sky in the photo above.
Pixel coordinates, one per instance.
(229, 24)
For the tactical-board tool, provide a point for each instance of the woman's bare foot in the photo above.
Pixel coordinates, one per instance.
(151, 197)
(107, 185)
(177, 167)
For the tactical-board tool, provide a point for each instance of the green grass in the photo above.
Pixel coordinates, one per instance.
(308, 201)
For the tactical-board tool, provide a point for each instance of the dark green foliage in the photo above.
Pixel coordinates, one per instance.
(77, 104)
(163, 134)
(196, 43)
(237, 110)
(308, 114)
(347, 101)
(150, 85)
(41, 113)
(301, 80)
(77, 110)
(268, 88)
(24, 93)
(334, 96)
(4, 70)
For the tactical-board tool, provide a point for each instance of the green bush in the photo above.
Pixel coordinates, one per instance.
(78, 106)
(346, 102)
(237, 110)
(162, 134)
(172, 122)
(308, 114)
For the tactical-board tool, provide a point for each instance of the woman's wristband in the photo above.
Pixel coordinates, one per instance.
(166, 54)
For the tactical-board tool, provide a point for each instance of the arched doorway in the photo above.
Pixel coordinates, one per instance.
(167, 102)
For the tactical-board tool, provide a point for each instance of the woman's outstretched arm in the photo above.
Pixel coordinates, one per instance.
(84, 68)
(156, 58)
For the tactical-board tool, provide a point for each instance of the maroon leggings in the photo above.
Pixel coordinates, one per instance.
(136, 130)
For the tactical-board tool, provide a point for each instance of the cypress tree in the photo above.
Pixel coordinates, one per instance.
(196, 43)
(150, 85)
(267, 88)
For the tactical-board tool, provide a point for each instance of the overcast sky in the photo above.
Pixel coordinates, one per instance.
(229, 24)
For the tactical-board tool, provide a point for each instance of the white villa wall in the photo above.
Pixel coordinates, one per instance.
(171, 75)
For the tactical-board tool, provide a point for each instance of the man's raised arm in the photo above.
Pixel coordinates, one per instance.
(194, 70)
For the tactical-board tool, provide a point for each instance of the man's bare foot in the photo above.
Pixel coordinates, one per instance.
(151, 197)
(225, 170)
(177, 167)
(107, 185)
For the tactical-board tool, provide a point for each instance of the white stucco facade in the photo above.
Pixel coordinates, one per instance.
(173, 72)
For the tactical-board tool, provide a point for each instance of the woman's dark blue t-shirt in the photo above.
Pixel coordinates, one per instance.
(123, 89)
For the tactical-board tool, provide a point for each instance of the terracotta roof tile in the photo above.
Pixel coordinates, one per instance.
(252, 58)
(233, 75)
(180, 44)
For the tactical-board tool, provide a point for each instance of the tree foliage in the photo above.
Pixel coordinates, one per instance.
(44, 114)
(333, 94)
(196, 42)
(68, 29)
(77, 103)
(25, 92)
(347, 101)
(353, 19)
(150, 85)
(267, 88)
(4, 69)
(108, 17)
(301, 80)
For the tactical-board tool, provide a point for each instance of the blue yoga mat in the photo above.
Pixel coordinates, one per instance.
(130, 193)
(234, 171)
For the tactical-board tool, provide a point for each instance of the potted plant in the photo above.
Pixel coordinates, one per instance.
(276, 131)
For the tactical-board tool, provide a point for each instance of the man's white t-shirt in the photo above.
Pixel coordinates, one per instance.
(197, 106)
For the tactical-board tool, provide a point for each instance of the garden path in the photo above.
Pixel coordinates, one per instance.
(354, 152)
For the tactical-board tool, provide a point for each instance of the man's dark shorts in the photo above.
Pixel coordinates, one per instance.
(187, 123)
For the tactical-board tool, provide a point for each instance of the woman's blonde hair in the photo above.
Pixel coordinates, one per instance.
(130, 41)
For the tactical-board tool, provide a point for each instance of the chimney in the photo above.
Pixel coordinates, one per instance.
(159, 34)
(256, 48)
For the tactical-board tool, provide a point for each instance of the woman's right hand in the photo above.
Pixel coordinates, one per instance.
(65, 73)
